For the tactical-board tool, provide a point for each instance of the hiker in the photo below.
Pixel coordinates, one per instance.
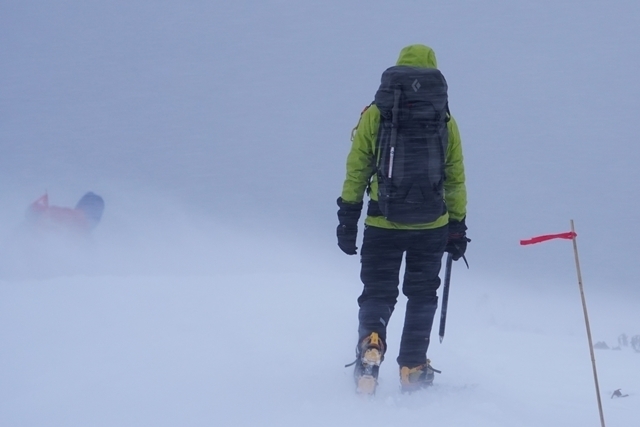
(82, 219)
(406, 154)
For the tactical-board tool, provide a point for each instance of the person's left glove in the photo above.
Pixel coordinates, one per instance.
(347, 231)
(457, 240)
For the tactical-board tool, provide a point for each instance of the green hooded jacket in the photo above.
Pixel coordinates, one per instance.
(361, 161)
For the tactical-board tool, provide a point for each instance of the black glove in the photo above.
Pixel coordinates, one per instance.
(347, 232)
(457, 242)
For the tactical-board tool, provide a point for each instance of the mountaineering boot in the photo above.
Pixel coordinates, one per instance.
(412, 379)
(370, 354)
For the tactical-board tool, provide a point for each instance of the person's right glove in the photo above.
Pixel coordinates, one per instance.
(457, 242)
(347, 232)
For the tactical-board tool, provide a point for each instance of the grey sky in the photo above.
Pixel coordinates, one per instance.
(243, 110)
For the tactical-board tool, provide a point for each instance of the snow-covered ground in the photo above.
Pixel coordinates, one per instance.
(261, 335)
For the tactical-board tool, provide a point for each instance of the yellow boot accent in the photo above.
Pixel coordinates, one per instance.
(372, 355)
(412, 379)
(366, 385)
(374, 340)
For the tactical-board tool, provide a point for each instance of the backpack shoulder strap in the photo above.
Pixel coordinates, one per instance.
(355, 129)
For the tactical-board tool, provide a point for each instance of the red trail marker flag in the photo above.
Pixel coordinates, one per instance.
(538, 239)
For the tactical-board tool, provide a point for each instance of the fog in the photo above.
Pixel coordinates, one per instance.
(244, 111)
(217, 134)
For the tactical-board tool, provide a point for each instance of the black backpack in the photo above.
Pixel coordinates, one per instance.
(412, 143)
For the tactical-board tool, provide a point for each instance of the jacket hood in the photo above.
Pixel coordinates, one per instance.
(418, 55)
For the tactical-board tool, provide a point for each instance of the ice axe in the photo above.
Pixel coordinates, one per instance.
(445, 296)
(445, 293)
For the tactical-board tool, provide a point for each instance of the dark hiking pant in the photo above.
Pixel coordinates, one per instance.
(382, 252)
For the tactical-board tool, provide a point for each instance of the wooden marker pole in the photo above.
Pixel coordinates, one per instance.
(586, 320)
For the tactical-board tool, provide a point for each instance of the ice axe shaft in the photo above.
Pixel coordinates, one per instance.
(445, 296)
